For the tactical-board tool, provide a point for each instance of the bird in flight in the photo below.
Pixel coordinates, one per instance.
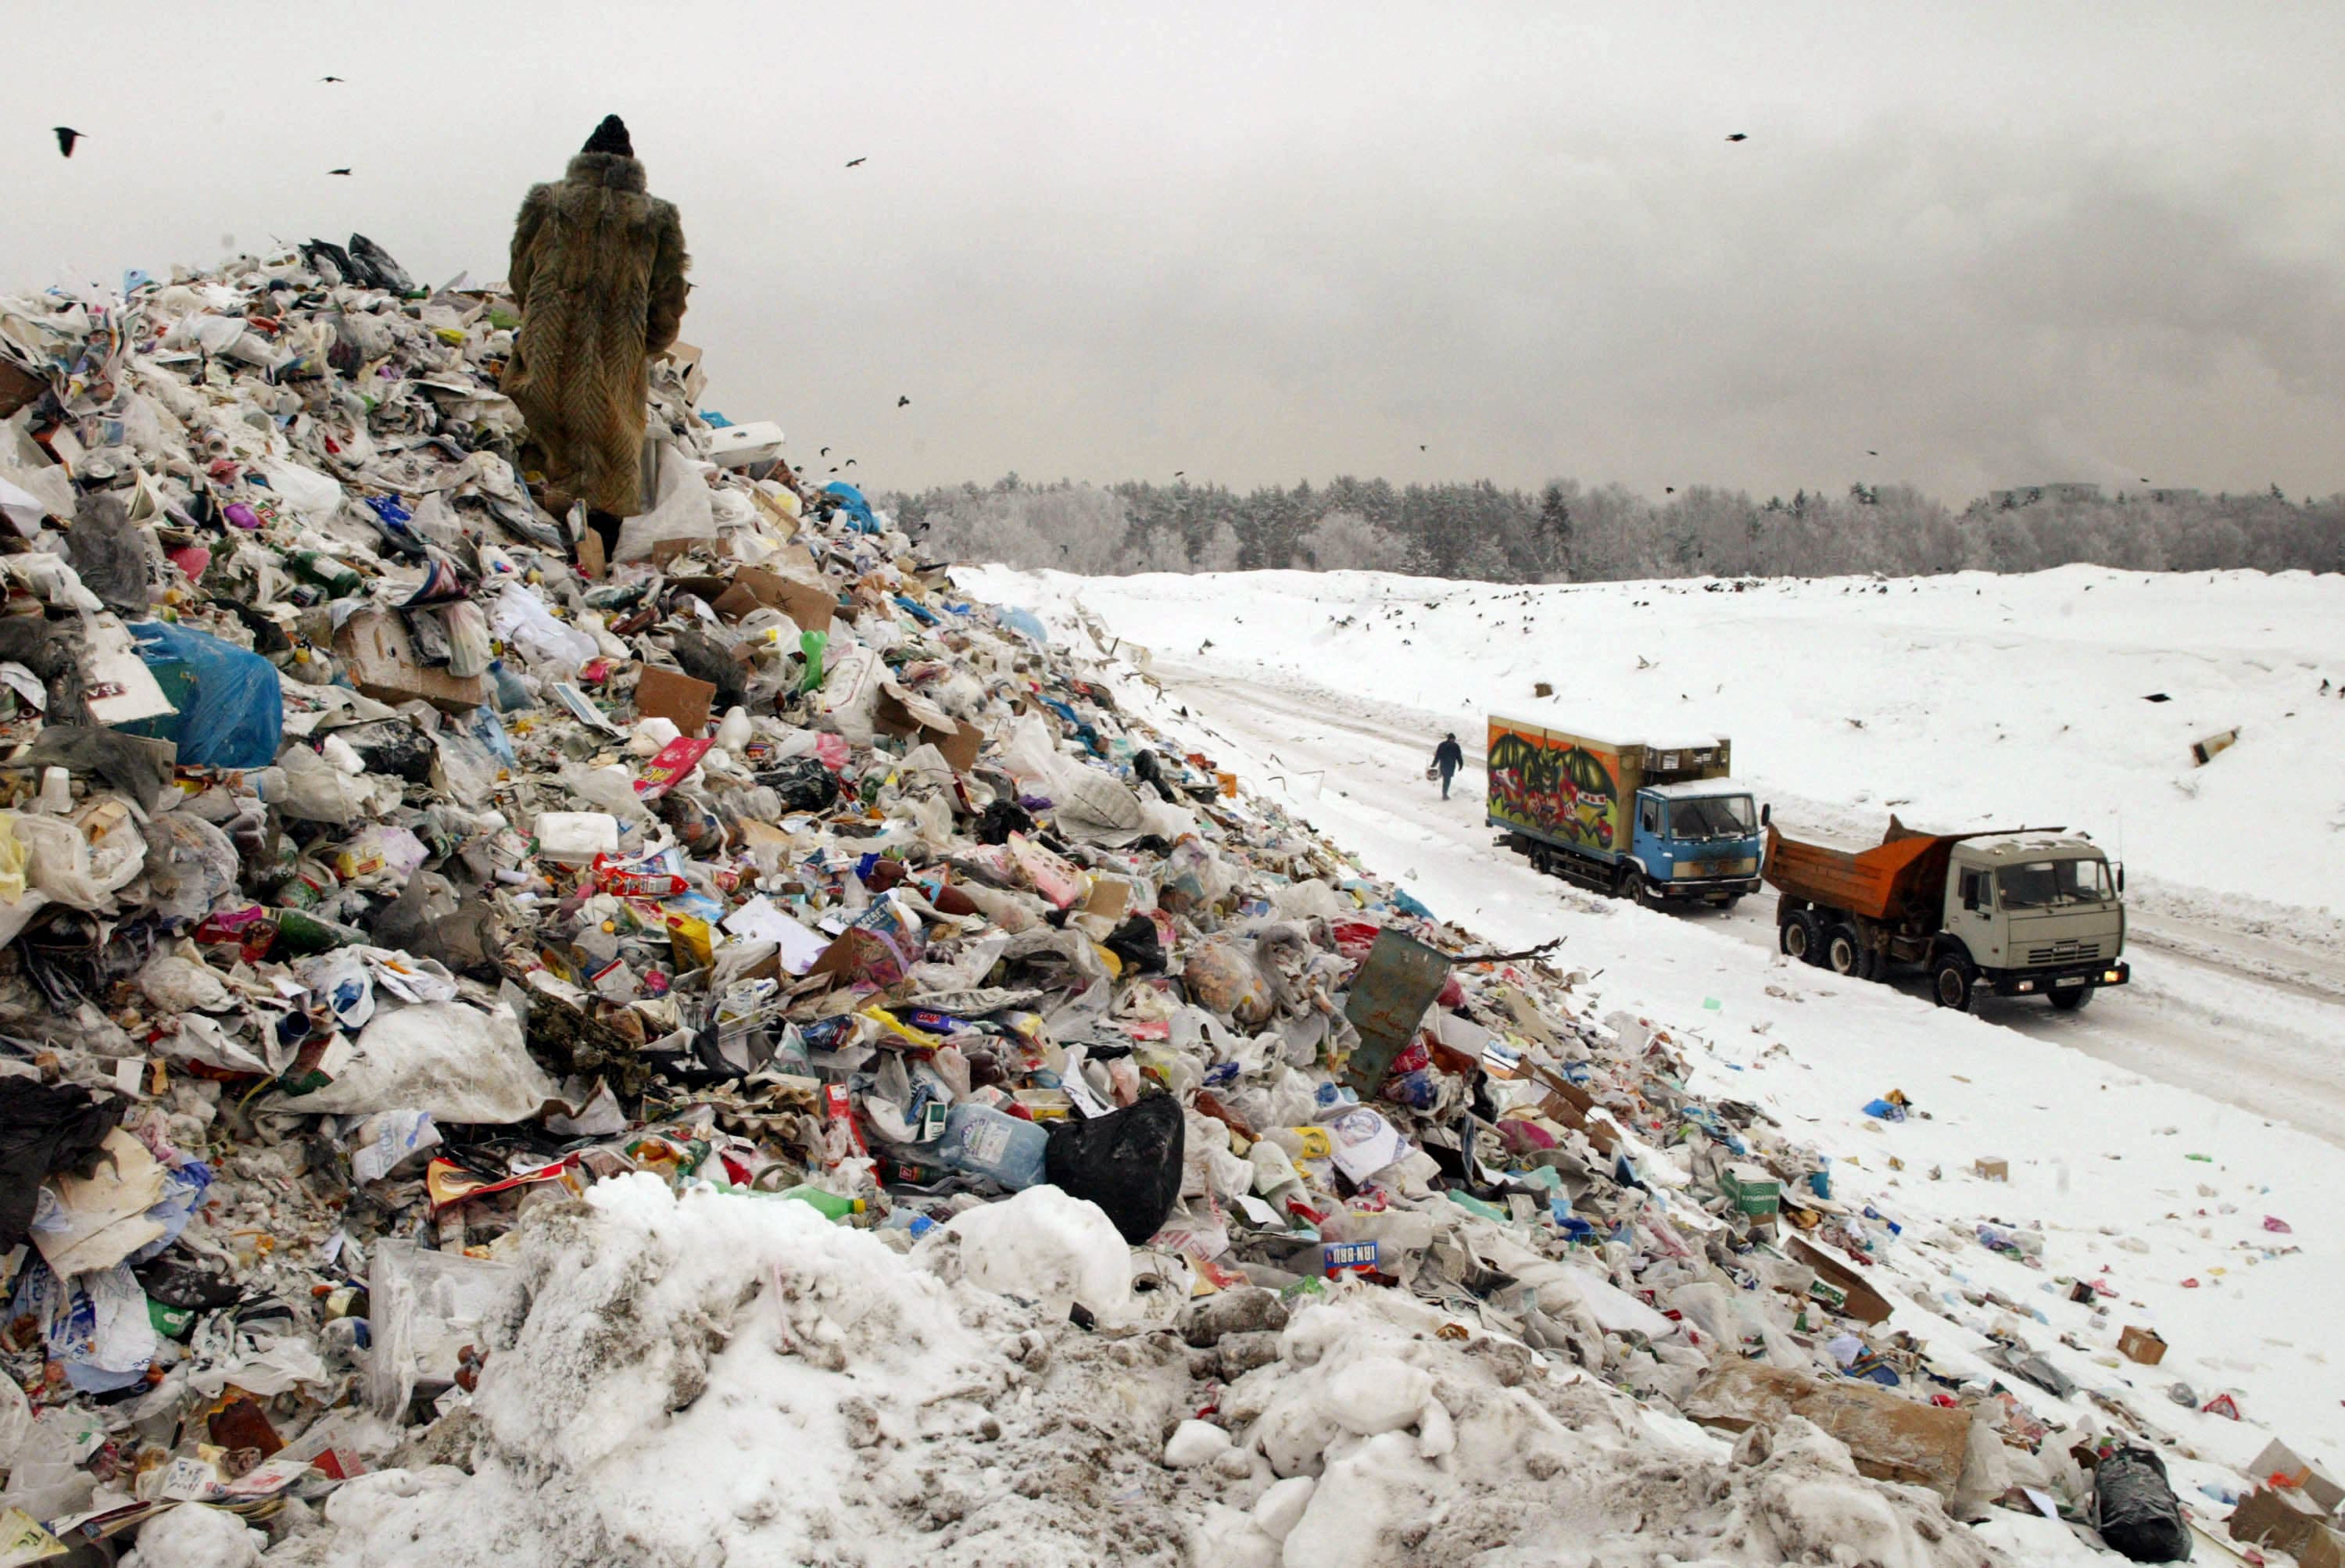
(329, 79)
(1870, 453)
(1180, 473)
(853, 161)
(1738, 136)
(1668, 490)
(850, 463)
(823, 453)
(1420, 446)
(903, 401)
(338, 171)
(67, 137)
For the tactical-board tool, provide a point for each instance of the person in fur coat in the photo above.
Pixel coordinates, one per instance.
(598, 272)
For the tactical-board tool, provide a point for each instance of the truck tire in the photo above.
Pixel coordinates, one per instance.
(2072, 1000)
(1801, 938)
(1843, 954)
(1648, 894)
(1951, 975)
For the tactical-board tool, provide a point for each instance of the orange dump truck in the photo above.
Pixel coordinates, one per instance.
(2025, 913)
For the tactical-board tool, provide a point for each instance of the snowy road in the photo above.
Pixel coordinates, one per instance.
(2218, 1004)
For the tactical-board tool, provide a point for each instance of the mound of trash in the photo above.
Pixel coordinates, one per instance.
(742, 1053)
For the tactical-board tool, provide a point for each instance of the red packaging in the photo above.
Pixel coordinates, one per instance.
(675, 763)
(615, 879)
(842, 1140)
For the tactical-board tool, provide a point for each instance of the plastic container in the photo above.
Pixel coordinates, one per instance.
(576, 838)
(980, 1141)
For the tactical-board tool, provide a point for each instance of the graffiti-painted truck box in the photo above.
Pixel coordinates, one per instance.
(1652, 822)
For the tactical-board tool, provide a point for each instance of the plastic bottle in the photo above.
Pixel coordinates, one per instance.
(828, 1203)
(983, 1142)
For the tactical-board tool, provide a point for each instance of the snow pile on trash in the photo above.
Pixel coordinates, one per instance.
(748, 1054)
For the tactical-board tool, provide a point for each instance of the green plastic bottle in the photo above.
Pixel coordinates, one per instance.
(829, 1203)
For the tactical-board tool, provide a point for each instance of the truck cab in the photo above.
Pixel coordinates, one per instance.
(2031, 914)
(1699, 838)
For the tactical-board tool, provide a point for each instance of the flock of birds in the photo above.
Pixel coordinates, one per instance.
(67, 137)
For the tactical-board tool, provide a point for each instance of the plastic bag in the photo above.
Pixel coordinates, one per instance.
(425, 1307)
(111, 554)
(191, 865)
(455, 1061)
(231, 707)
(682, 510)
(469, 653)
(2135, 1509)
(521, 618)
(315, 791)
(70, 869)
(850, 693)
(1128, 1162)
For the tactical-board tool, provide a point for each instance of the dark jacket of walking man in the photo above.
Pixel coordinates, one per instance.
(598, 271)
(1448, 759)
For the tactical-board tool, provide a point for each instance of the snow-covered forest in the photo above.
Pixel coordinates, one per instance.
(1568, 532)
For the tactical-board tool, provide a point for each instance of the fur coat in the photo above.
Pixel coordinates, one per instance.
(598, 271)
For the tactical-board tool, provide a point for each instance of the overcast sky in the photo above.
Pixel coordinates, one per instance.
(1998, 243)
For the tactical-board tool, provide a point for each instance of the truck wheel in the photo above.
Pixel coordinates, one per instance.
(1950, 979)
(1648, 893)
(2072, 1000)
(1801, 939)
(1843, 953)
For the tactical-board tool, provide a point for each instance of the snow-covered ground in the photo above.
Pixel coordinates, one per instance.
(2155, 1139)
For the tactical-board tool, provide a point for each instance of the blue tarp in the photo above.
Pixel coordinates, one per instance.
(231, 708)
(851, 501)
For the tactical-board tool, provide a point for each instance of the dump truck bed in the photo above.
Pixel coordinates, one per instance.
(1902, 877)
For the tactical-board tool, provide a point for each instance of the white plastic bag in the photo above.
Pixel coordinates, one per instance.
(455, 1061)
(682, 509)
(522, 618)
(69, 870)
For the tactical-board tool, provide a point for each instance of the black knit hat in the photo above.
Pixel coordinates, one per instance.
(611, 135)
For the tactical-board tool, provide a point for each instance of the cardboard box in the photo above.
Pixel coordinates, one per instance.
(675, 697)
(374, 647)
(1751, 1189)
(1992, 1168)
(1890, 1436)
(2141, 1345)
(17, 388)
(2280, 1459)
(686, 360)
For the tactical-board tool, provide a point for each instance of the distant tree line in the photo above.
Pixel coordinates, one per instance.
(1568, 532)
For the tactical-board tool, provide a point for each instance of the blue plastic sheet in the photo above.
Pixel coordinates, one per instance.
(231, 708)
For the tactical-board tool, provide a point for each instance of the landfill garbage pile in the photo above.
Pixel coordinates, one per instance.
(740, 1053)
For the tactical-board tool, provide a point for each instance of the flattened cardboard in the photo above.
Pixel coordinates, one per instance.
(812, 608)
(1865, 1303)
(1891, 1438)
(2288, 1520)
(374, 647)
(900, 712)
(675, 697)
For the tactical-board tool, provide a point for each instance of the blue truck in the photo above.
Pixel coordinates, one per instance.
(1661, 824)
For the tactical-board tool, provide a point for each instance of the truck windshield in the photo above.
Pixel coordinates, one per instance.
(1712, 817)
(2047, 884)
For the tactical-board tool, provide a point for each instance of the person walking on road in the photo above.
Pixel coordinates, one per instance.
(1447, 760)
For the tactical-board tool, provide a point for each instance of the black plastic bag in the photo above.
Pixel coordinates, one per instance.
(44, 1131)
(1001, 819)
(375, 267)
(392, 748)
(803, 783)
(703, 659)
(111, 554)
(2135, 1509)
(1128, 1162)
(1136, 943)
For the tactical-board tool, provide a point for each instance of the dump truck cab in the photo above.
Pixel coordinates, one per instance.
(1699, 838)
(2031, 914)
